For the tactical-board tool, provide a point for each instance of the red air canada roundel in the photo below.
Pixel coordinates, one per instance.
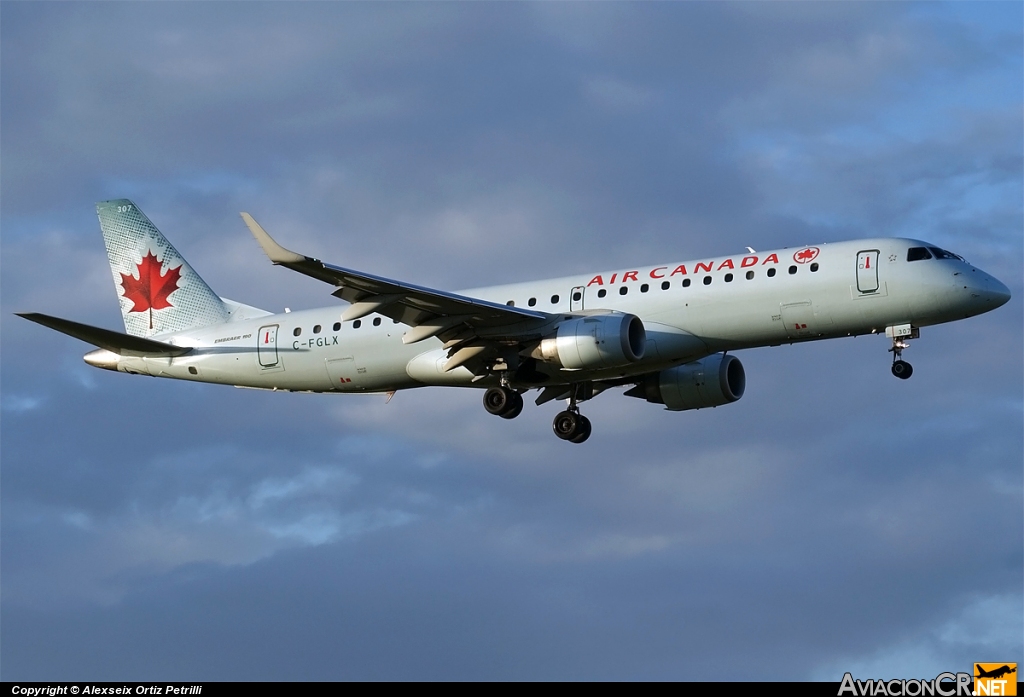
(805, 255)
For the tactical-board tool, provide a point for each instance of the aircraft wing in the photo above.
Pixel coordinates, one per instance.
(457, 319)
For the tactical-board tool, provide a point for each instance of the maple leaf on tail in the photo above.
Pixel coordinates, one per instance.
(150, 290)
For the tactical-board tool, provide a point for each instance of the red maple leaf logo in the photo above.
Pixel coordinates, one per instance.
(150, 290)
(805, 255)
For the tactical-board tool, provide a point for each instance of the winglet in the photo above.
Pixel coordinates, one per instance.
(277, 253)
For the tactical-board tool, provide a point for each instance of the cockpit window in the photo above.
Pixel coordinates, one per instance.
(918, 253)
(943, 254)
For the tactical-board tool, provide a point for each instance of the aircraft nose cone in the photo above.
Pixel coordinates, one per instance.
(1001, 293)
(990, 291)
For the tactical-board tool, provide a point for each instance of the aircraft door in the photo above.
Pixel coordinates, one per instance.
(798, 319)
(341, 370)
(266, 346)
(347, 373)
(576, 298)
(867, 271)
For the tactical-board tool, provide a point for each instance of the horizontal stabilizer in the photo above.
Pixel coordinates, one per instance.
(116, 342)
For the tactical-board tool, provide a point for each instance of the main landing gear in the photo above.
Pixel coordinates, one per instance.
(570, 424)
(504, 402)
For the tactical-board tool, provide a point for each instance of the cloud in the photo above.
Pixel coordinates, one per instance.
(19, 403)
(983, 626)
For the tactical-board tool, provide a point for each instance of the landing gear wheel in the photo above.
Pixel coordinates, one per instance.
(498, 400)
(567, 424)
(572, 426)
(585, 431)
(515, 407)
(902, 369)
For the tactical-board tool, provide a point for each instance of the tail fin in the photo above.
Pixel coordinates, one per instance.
(158, 290)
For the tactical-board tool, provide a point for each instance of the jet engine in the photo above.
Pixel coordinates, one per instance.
(598, 341)
(709, 382)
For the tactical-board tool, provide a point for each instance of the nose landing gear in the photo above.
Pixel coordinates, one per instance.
(900, 368)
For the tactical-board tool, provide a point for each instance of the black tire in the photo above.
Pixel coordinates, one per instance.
(515, 407)
(902, 370)
(585, 430)
(566, 425)
(498, 400)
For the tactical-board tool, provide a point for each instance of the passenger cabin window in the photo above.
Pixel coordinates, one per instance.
(358, 323)
(511, 303)
(792, 270)
(296, 331)
(728, 278)
(644, 288)
(623, 290)
(771, 272)
(814, 267)
(376, 321)
(665, 285)
(918, 253)
(601, 293)
(554, 299)
(686, 283)
(750, 275)
(531, 302)
(337, 326)
(707, 280)
(316, 328)
(576, 297)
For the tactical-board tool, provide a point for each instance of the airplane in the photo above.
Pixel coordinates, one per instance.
(996, 673)
(667, 332)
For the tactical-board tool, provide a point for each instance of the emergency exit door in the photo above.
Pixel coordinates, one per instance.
(867, 271)
(266, 346)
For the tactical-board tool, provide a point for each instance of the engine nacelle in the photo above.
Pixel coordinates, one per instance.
(599, 341)
(709, 382)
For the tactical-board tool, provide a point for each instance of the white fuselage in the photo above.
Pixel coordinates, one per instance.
(689, 310)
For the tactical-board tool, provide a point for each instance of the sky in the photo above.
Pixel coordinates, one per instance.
(835, 519)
